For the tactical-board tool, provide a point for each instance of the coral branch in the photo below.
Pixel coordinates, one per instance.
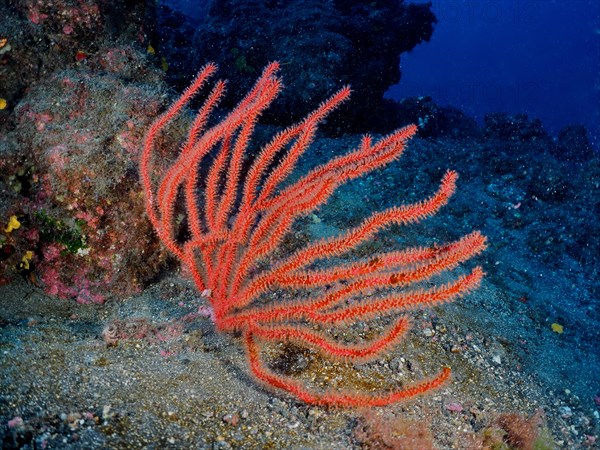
(332, 348)
(340, 398)
(237, 218)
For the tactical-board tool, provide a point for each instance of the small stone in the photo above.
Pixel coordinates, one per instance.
(106, 414)
(428, 332)
(73, 420)
(454, 407)
(497, 359)
(231, 419)
(565, 412)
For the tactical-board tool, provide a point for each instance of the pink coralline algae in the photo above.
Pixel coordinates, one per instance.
(83, 14)
(454, 407)
(16, 422)
(83, 213)
(81, 288)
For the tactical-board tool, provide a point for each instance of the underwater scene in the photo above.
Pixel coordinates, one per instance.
(300, 224)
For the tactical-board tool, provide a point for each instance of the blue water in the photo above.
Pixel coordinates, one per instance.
(541, 58)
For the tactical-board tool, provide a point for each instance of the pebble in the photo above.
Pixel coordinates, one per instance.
(231, 419)
(106, 413)
(454, 407)
(565, 412)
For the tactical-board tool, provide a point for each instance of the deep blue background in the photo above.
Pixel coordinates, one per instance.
(541, 58)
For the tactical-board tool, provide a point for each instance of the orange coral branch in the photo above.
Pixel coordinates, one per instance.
(237, 218)
(330, 347)
(340, 398)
